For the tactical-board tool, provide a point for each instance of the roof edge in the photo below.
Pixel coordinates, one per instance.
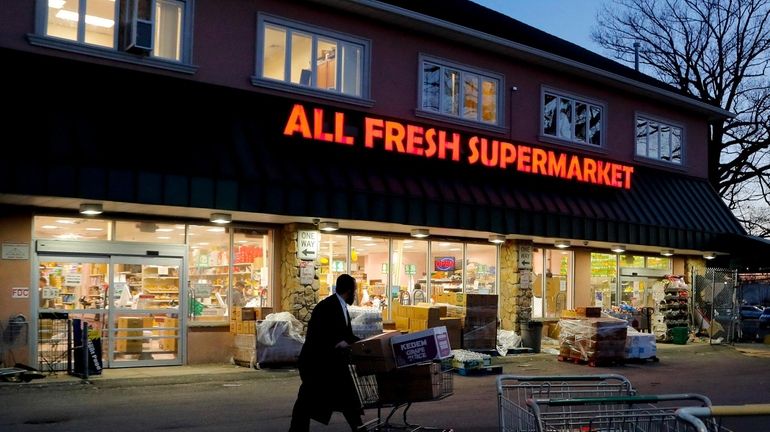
(355, 5)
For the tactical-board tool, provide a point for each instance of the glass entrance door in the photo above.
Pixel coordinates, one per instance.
(147, 302)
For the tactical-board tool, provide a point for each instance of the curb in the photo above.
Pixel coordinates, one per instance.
(192, 378)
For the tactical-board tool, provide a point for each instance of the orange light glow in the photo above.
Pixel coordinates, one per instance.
(409, 139)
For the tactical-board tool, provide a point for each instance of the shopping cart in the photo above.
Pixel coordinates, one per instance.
(368, 392)
(716, 418)
(514, 390)
(650, 413)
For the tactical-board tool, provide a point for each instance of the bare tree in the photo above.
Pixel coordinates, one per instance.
(719, 51)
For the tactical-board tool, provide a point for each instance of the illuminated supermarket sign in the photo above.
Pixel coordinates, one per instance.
(419, 141)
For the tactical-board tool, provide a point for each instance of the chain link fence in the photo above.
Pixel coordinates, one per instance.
(715, 306)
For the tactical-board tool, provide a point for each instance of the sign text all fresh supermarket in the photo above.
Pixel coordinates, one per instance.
(432, 142)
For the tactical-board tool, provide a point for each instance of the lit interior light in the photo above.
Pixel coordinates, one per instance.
(90, 19)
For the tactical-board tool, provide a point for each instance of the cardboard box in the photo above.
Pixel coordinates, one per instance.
(454, 329)
(419, 347)
(425, 313)
(233, 327)
(417, 324)
(411, 384)
(374, 354)
(388, 325)
(402, 323)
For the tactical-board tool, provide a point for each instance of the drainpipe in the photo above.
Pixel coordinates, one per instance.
(636, 55)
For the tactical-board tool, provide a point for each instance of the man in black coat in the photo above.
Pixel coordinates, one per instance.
(327, 385)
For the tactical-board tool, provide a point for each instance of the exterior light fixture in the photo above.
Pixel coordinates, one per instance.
(221, 218)
(420, 233)
(91, 209)
(328, 226)
(618, 248)
(709, 255)
(497, 238)
(667, 252)
(562, 244)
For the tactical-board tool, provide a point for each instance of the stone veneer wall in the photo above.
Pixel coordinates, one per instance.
(509, 284)
(690, 263)
(296, 298)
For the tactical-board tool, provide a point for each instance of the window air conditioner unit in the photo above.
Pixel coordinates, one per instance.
(138, 31)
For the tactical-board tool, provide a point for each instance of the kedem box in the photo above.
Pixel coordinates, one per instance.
(420, 347)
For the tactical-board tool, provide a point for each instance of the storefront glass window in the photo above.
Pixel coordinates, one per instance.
(446, 264)
(251, 268)
(72, 285)
(100, 22)
(333, 260)
(67, 228)
(370, 265)
(604, 272)
(637, 276)
(409, 264)
(551, 282)
(148, 232)
(209, 279)
(632, 261)
(481, 269)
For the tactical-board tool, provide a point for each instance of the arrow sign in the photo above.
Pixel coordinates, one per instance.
(308, 243)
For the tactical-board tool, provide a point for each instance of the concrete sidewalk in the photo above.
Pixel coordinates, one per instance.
(191, 374)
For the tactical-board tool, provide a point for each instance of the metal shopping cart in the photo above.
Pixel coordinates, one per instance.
(391, 391)
(514, 390)
(651, 413)
(724, 418)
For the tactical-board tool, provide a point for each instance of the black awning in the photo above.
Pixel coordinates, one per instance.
(204, 146)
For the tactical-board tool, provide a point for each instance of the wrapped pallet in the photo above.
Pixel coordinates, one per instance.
(593, 340)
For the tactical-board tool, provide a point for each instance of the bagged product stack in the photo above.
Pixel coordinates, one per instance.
(279, 339)
(366, 321)
(594, 340)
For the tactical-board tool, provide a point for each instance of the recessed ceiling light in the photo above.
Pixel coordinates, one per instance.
(455, 249)
(618, 248)
(709, 255)
(328, 226)
(65, 221)
(162, 237)
(221, 218)
(216, 229)
(203, 243)
(443, 244)
(408, 247)
(562, 244)
(179, 227)
(497, 238)
(408, 241)
(164, 230)
(242, 241)
(363, 238)
(94, 229)
(49, 227)
(91, 209)
(370, 244)
(420, 233)
(667, 252)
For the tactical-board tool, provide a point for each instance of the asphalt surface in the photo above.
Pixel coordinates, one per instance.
(225, 398)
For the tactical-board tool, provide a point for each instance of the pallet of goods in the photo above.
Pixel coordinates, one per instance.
(593, 341)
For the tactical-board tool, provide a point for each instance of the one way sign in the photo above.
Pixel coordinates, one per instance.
(307, 245)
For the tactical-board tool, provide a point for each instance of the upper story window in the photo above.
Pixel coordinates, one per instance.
(304, 56)
(658, 140)
(151, 28)
(460, 92)
(572, 119)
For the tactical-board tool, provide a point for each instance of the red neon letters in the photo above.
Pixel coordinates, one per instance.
(415, 140)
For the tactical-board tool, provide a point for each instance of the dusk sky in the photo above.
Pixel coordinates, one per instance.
(571, 20)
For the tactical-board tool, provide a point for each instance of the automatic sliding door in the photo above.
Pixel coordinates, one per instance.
(147, 299)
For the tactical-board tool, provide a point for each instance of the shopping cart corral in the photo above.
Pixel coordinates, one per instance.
(398, 390)
(650, 413)
(723, 418)
(514, 390)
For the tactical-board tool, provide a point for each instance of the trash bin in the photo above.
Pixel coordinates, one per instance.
(679, 335)
(531, 334)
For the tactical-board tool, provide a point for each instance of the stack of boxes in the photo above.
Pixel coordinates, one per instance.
(132, 328)
(480, 328)
(424, 316)
(243, 325)
(402, 364)
(595, 340)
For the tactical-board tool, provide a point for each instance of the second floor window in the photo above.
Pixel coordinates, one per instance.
(149, 27)
(458, 92)
(308, 57)
(658, 140)
(572, 119)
